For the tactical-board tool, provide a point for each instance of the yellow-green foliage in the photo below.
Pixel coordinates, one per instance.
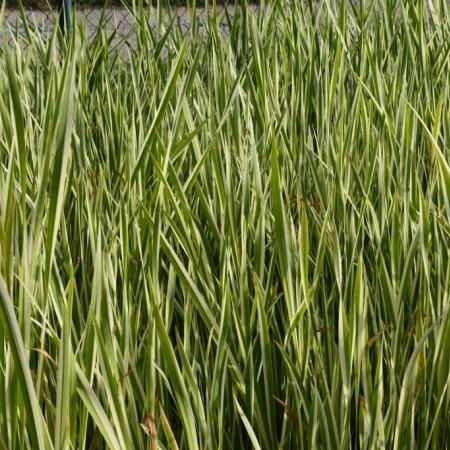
(232, 241)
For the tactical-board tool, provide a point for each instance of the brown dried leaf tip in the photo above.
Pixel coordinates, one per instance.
(149, 427)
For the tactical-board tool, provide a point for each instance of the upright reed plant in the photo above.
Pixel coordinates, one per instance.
(232, 240)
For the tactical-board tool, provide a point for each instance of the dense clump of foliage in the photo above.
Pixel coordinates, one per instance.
(228, 241)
